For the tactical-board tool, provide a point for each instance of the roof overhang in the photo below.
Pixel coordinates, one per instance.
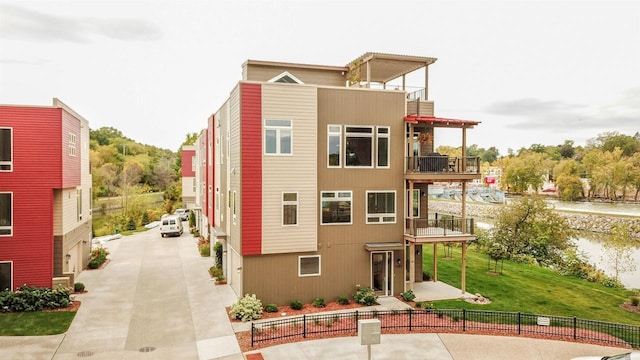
(383, 246)
(438, 121)
(386, 67)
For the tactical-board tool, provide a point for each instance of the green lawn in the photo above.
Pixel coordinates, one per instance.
(529, 289)
(35, 323)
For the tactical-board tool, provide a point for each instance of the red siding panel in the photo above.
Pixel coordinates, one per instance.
(187, 163)
(37, 170)
(251, 165)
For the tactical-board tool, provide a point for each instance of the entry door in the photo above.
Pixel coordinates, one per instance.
(382, 272)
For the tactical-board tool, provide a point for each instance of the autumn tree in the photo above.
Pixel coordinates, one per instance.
(529, 228)
(527, 170)
(618, 250)
(566, 175)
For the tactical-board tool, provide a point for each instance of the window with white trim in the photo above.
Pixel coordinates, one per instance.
(6, 276)
(6, 149)
(79, 204)
(193, 164)
(72, 144)
(382, 138)
(381, 207)
(193, 185)
(358, 146)
(309, 265)
(235, 202)
(289, 208)
(6, 214)
(334, 145)
(277, 137)
(336, 207)
(416, 203)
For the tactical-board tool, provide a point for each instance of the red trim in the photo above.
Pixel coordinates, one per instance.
(251, 174)
(437, 120)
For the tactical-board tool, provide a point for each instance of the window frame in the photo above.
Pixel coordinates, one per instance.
(278, 129)
(380, 136)
(410, 207)
(72, 144)
(10, 226)
(300, 257)
(295, 203)
(331, 134)
(276, 79)
(8, 163)
(10, 262)
(371, 137)
(79, 204)
(337, 198)
(381, 216)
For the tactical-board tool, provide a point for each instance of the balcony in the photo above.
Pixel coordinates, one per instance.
(439, 228)
(444, 166)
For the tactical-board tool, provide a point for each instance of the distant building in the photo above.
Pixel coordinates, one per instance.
(45, 195)
(189, 176)
(314, 179)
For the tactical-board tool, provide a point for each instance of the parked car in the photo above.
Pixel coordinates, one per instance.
(183, 214)
(170, 225)
(633, 355)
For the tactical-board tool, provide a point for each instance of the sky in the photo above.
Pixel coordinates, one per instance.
(532, 72)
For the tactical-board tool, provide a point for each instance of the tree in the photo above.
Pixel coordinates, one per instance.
(526, 171)
(529, 228)
(568, 181)
(619, 250)
(566, 150)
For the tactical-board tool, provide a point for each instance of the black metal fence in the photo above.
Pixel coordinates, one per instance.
(455, 320)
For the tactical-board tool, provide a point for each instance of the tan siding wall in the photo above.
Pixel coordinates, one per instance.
(57, 212)
(265, 73)
(295, 173)
(69, 209)
(234, 184)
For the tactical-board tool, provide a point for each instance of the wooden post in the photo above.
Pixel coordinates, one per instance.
(412, 265)
(435, 262)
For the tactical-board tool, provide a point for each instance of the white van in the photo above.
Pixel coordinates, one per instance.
(170, 225)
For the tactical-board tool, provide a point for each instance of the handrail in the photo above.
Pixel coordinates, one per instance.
(443, 164)
(447, 225)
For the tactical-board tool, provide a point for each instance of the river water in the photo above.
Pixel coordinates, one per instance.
(590, 244)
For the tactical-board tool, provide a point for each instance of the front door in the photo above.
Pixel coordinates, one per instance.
(382, 272)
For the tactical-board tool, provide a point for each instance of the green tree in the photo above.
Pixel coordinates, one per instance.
(527, 170)
(618, 250)
(529, 228)
(568, 181)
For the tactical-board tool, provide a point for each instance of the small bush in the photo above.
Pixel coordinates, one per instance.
(78, 287)
(271, 308)
(319, 302)
(343, 300)
(365, 296)
(426, 276)
(246, 309)
(408, 295)
(424, 305)
(296, 304)
(205, 251)
(131, 224)
(29, 298)
(635, 301)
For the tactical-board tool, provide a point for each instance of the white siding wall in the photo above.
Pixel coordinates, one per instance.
(234, 163)
(294, 173)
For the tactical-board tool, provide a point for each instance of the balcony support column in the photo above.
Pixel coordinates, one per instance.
(412, 265)
(426, 82)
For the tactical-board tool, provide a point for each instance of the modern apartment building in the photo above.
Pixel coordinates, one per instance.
(314, 178)
(45, 195)
(189, 176)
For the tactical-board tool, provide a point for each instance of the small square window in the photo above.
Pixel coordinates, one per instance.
(309, 265)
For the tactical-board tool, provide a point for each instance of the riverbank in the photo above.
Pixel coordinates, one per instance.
(598, 223)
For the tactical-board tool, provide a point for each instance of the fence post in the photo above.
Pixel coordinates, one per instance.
(519, 322)
(252, 328)
(304, 326)
(410, 318)
(357, 320)
(464, 319)
(575, 322)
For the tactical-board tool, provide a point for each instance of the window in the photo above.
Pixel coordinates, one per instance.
(79, 204)
(290, 208)
(193, 186)
(235, 215)
(309, 265)
(6, 276)
(382, 133)
(286, 78)
(381, 207)
(358, 146)
(6, 212)
(416, 203)
(336, 207)
(277, 137)
(72, 144)
(334, 145)
(6, 149)
(193, 163)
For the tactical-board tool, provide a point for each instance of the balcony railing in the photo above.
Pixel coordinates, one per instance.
(439, 225)
(443, 164)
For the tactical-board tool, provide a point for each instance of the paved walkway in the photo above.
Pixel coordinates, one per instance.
(154, 300)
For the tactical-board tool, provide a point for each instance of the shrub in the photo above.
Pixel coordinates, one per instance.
(29, 298)
(408, 295)
(319, 302)
(78, 287)
(246, 309)
(145, 218)
(271, 308)
(217, 249)
(215, 271)
(205, 251)
(343, 300)
(365, 296)
(635, 301)
(424, 305)
(426, 276)
(131, 224)
(296, 304)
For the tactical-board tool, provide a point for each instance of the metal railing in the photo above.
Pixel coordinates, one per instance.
(439, 225)
(418, 94)
(454, 320)
(443, 164)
